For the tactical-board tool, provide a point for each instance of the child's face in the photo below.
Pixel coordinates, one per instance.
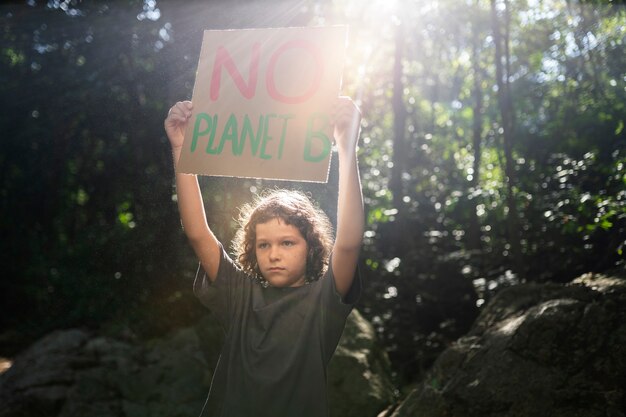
(281, 253)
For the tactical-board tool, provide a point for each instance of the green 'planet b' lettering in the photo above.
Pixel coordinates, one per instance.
(231, 132)
(266, 137)
(210, 129)
(319, 135)
(261, 144)
(247, 130)
(283, 134)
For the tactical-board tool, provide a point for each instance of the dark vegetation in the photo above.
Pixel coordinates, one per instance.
(493, 153)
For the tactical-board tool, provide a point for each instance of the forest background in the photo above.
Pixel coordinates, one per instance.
(493, 153)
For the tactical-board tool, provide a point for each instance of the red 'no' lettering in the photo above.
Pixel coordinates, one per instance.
(248, 90)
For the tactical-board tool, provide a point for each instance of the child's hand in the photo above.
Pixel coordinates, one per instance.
(346, 118)
(176, 122)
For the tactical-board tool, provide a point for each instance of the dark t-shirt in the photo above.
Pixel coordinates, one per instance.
(277, 346)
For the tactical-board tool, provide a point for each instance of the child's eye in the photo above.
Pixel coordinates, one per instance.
(262, 245)
(288, 243)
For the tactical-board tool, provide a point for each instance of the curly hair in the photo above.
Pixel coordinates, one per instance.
(294, 208)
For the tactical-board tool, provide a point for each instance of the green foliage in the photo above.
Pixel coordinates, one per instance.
(568, 90)
(90, 230)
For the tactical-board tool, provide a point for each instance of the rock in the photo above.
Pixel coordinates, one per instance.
(535, 350)
(41, 378)
(75, 373)
(359, 378)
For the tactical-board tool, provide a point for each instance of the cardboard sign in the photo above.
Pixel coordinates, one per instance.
(262, 100)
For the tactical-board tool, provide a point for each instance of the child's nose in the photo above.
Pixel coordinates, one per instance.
(274, 252)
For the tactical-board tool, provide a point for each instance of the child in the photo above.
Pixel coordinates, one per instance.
(284, 302)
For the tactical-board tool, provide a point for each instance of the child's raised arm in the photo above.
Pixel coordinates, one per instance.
(190, 203)
(350, 217)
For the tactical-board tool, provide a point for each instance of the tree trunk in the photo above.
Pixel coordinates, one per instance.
(473, 240)
(399, 123)
(505, 103)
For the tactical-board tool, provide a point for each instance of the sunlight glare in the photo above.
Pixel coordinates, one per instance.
(5, 364)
